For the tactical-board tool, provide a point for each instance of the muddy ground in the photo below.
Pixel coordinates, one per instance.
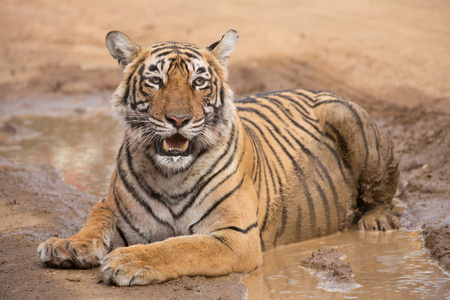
(390, 56)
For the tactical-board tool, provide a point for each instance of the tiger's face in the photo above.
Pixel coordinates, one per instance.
(174, 99)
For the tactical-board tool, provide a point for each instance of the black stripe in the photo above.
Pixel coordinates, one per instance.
(176, 48)
(297, 105)
(263, 162)
(325, 172)
(326, 206)
(223, 180)
(358, 120)
(125, 214)
(339, 159)
(163, 53)
(305, 150)
(130, 189)
(127, 90)
(222, 95)
(342, 144)
(214, 206)
(184, 65)
(267, 119)
(133, 94)
(302, 94)
(141, 81)
(205, 181)
(248, 121)
(298, 228)
(194, 54)
(222, 240)
(201, 70)
(284, 216)
(312, 212)
(289, 116)
(263, 246)
(142, 183)
(257, 159)
(377, 145)
(153, 68)
(298, 169)
(244, 231)
(122, 236)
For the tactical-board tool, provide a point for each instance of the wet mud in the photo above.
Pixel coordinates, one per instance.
(335, 274)
(437, 240)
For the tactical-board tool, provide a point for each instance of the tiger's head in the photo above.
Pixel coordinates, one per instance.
(174, 99)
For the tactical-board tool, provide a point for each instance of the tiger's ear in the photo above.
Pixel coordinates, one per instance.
(222, 49)
(121, 48)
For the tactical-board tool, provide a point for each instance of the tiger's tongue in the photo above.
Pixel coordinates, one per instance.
(176, 142)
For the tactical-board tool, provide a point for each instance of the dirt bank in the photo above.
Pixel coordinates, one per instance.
(437, 239)
(335, 274)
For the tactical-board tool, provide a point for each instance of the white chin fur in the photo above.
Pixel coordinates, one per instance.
(173, 163)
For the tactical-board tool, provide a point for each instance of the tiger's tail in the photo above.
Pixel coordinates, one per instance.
(365, 150)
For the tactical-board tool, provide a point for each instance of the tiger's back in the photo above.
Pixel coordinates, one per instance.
(316, 157)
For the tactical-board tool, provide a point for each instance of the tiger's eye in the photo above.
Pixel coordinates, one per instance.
(199, 81)
(155, 80)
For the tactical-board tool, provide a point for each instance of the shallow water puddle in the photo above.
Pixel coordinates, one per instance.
(82, 146)
(389, 265)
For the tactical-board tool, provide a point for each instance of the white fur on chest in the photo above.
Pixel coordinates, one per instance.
(174, 201)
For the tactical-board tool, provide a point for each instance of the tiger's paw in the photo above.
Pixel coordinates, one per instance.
(378, 219)
(129, 266)
(71, 253)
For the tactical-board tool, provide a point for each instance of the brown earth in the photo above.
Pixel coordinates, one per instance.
(335, 274)
(437, 239)
(392, 57)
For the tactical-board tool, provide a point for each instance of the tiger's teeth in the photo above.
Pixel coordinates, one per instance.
(165, 146)
(168, 149)
(185, 146)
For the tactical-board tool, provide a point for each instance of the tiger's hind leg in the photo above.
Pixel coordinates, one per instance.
(368, 154)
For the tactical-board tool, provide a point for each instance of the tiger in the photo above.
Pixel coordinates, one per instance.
(204, 184)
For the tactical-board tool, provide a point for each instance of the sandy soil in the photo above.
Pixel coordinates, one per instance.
(391, 56)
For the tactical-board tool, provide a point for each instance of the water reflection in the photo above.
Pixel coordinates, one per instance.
(389, 265)
(82, 146)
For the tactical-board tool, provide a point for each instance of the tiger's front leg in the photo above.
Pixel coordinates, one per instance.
(85, 249)
(208, 255)
(224, 239)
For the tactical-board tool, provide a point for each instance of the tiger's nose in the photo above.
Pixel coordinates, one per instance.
(178, 121)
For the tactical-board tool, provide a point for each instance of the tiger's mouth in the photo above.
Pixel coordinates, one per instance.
(175, 145)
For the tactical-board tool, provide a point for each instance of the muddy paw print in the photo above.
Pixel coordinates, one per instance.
(71, 253)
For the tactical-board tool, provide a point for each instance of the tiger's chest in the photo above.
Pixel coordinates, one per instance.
(151, 206)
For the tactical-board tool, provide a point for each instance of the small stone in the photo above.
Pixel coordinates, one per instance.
(74, 278)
